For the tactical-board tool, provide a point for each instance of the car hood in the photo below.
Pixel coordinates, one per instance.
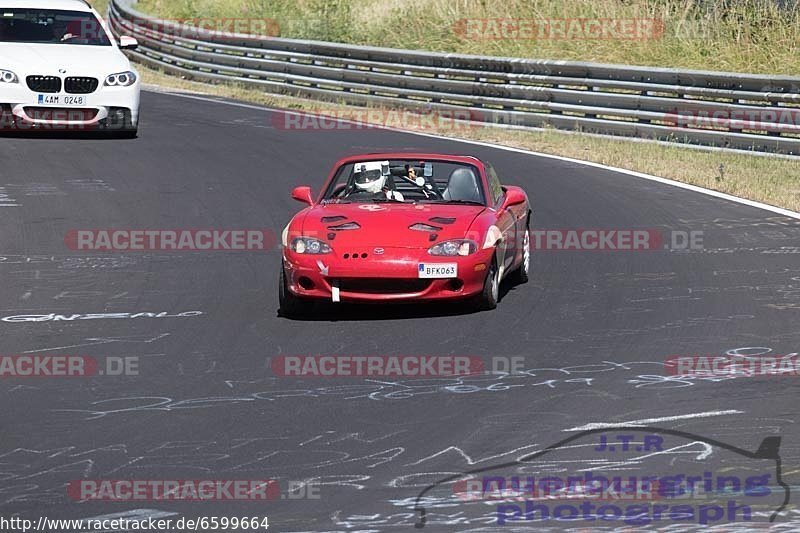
(387, 225)
(78, 60)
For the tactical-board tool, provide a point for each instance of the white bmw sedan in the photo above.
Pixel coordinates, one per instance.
(61, 70)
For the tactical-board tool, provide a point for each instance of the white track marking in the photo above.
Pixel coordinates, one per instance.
(6, 200)
(645, 421)
(693, 188)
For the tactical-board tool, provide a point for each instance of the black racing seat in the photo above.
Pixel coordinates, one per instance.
(462, 185)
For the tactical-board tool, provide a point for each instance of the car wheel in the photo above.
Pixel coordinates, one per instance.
(491, 289)
(521, 274)
(290, 305)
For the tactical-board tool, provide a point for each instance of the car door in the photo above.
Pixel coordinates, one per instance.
(506, 219)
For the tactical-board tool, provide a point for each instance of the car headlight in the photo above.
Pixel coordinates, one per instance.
(121, 79)
(6, 76)
(453, 248)
(307, 245)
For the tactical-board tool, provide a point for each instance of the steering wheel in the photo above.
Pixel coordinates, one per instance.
(428, 185)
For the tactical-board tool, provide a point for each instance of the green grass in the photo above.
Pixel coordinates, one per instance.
(759, 36)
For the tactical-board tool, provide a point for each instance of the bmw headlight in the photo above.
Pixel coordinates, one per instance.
(307, 245)
(121, 79)
(6, 76)
(453, 248)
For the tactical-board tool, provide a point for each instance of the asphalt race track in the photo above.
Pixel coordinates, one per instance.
(593, 328)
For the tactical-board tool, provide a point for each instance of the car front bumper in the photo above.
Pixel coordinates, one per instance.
(105, 108)
(392, 276)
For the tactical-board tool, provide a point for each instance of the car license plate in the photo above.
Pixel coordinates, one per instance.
(438, 270)
(62, 99)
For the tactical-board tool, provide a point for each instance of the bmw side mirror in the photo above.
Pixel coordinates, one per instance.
(128, 43)
(303, 194)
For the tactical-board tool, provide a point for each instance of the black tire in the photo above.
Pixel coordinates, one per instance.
(126, 134)
(128, 130)
(522, 273)
(487, 299)
(130, 133)
(290, 305)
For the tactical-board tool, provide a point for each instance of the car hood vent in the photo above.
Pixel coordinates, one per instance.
(421, 226)
(442, 220)
(345, 226)
(328, 220)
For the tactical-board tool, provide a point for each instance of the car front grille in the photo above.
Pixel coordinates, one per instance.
(44, 84)
(80, 85)
(383, 285)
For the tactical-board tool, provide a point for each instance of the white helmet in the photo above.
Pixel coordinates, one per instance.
(371, 176)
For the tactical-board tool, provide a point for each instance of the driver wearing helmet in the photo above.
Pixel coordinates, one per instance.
(370, 180)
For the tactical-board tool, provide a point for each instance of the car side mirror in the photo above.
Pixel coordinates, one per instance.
(303, 194)
(128, 43)
(514, 196)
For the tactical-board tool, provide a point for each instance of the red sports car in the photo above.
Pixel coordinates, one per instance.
(405, 227)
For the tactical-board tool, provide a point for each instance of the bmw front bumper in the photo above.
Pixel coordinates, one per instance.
(107, 108)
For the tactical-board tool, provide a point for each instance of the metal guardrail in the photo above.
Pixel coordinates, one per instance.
(742, 111)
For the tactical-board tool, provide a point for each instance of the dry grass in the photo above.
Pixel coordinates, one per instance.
(761, 36)
(774, 181)
(100, 5)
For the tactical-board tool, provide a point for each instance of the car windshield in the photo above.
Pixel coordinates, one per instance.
(406, 180)
(48, 26)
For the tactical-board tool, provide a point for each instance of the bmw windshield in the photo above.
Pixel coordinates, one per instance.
(48, 26)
